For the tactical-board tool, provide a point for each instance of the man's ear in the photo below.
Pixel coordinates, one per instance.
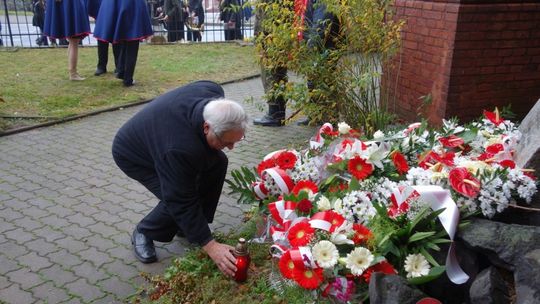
(206, 128)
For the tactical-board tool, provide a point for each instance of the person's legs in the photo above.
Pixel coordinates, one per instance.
(117, 48)
(103, 57)
(276, 102)
(73, 56)
(121, 58)
(130, 60)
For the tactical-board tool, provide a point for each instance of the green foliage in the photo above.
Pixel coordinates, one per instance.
(345, 78)
(241, 182)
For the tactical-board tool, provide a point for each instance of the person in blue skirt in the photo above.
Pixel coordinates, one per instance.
(68, 19)
(103, 46)
(125, 23)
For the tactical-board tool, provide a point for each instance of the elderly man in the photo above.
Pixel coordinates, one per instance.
(173, 147)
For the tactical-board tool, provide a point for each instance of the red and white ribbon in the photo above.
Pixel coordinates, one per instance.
(282, 179)
(260, 190)
(321, 220)
(274, 154)
(440, 198)
(302, 257)
(282, 211)
(318, 140)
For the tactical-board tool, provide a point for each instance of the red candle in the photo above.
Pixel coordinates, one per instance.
(242, 260)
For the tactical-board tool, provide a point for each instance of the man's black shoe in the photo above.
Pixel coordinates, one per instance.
(268, 121)
(100, 71)
(129, 83)
(119, 76)
(143, 247)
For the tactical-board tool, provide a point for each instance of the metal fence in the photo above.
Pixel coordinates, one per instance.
(16, 29)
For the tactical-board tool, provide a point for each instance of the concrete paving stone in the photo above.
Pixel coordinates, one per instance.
(58, 275)
(108, 299)
(23, 195)
(125, 226)
(75, 183)
(73, 192)
(41, 246)
(111, 208)
(19, 235)
(117, 189)
(29, 186)
(65, 258)
(84, 208)
(123, 239)
(83, 290)
(175, 248)
(55, 221)
(34, 213)
(107, 218)
(4, 283)
(97, 258)
(48, 293)
(103, 229)
(12, 179)
(25, 277)
(28, 223)
(3, 238)
(89, 271)
(34, 261)
(119, 288)
(73, 244)
(9, 214)
(15, 295)
(80, 219)
(44, 199)
(118, 268)
(99, 242)
(131, 216)
(48, 234)
(96, 182)
(7, 264)
(60, 210)
(124, 254)
(6, 226)
(12, 249)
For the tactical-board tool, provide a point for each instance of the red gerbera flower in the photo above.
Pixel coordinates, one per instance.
(286, 265)
(304, 206)
(383, 267)
(359, 168)
(451, 141)
(265, 164)
(305, 185)
(464, 182)
(286, 160)
(361, 234)
(400, 162)
(308, 278)
(300, 234)
(494, 116)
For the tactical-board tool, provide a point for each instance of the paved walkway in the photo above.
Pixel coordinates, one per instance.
(67, 211)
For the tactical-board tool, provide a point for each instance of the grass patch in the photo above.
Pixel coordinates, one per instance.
(194, 278)
(34, 82)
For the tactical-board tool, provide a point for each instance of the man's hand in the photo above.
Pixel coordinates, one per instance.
(222, 255)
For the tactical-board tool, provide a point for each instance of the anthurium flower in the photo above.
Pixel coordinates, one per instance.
(308, 278)
(383, 267)
(286, 265)
(400, 162)
(266, 164)
(286, 160)
(300, 234)
(360, 168)
(451, 141)
(305, 185)
(494, 116)
(464, 182)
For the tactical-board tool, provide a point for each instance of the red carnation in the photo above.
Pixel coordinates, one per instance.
(304, 206)
(300, 234)
(400, 162)
(359, 168)
(464, 182)
(286, 160)
(507, 163)
(308, 278)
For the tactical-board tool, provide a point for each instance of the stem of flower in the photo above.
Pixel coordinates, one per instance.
(524, 208)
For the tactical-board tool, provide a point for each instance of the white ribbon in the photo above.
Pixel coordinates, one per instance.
(440, 198)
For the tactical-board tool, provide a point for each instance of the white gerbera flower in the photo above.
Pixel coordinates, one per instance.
(323, 204)
(343, 128)
(359, 260)
(416, 265)
(325, 254)
(379, 134)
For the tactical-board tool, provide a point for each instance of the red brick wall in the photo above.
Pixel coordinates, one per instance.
(468, 55)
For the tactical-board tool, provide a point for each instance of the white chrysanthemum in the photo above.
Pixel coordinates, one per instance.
(378, 135)
(357, 207)
(325, 254)
(323, 204)
(359, 260)
(343, 128)
(416, 265)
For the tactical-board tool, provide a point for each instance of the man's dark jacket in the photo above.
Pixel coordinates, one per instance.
(167, 136)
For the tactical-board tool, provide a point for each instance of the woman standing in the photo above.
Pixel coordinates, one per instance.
(124, 23)
(68, 19)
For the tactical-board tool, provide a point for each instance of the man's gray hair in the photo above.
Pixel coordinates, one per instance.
(225, 115)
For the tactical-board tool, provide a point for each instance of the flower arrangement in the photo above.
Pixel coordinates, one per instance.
(350, 206)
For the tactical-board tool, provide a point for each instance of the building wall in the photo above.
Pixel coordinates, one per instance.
(468, 55)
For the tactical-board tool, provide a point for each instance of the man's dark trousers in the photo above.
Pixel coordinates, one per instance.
(159, 225)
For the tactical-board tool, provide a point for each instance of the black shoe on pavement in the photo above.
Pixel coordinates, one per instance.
(100, 71)
(268, 121)
(143, 247)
